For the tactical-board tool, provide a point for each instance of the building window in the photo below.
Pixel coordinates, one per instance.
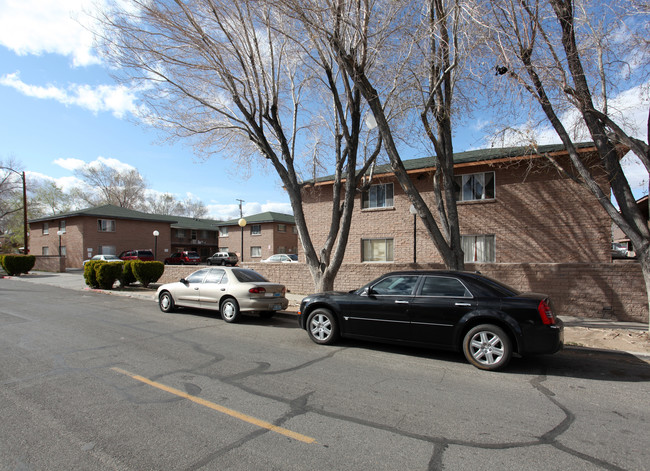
(107, 250)
(282, 250)
(479, 248)
(282, 228)
(180, 233)
(223, 232)
(204, 235)
(106, 225)
(378, 196)
(475, 186)
(256, 252)
(377, 250)
(45, 251)
(46, 229)
(62, 226)
(223, 249)
(256, 229)
(193, 235)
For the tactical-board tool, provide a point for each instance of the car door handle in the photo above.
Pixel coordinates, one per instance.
(401, 302)
(196, 289)
(464, 304)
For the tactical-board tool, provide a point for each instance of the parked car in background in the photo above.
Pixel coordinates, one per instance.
(461, 311)
(223, 258)
(282, 258)
(144, 255)
(183, 258)
(229, 290)
(104, 257)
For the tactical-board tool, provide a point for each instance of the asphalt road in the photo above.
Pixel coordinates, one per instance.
(90, 381)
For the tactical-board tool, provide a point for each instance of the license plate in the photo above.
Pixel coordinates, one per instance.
(277, 295)
(276, 307)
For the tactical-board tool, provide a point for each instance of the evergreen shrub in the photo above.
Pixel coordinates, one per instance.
(108, 273)
(147, 272)
(16, 264)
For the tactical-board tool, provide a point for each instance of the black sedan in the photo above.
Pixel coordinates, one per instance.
(461, 311)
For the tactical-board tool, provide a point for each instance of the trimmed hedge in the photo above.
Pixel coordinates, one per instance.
(147, 272)
(128, 277)
(102, 274)
(14, 265)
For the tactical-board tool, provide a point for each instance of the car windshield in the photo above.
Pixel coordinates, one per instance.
(247, 276)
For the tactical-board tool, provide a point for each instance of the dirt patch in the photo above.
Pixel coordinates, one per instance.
(608, 339)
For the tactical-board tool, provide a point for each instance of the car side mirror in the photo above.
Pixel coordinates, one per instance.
(183, 280)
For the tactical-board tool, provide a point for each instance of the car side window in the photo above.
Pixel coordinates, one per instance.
(444, 287)
(396, 286)
(197, 276)
(215, 276)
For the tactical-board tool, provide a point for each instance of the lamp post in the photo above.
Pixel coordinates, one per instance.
(59, 233)
(242, 223)
(414, 212)
(155, 244)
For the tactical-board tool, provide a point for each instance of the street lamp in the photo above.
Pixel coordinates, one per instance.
(59, 233)
(414, 212)
(155, 244)
(242, 223)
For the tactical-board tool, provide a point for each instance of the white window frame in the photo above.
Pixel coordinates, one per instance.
(374, 257)
(473, 181)
(256, 252)
(223, 231)
(371, 199)
(45, 250)
(256, 229)
(479, 248)
(62, 225)
(282, 228)
(106, 225)
(46, 229)
(107, 250)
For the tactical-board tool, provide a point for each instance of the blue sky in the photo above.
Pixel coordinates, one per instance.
(60, 109)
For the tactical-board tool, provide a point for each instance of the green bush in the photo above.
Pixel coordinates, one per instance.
(108, 273)
(17, 264)
(90, 275)
(147, 272)
(127, 273)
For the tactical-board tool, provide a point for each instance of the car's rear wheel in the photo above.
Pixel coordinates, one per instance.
(322, 327)
(487, 347)
(166, 302)
(230, 310)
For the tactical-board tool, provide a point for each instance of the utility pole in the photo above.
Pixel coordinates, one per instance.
(242, 223)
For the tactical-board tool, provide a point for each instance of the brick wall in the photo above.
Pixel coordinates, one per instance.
(50, 263)
(270, 240)
(591, 290)
(536, 217)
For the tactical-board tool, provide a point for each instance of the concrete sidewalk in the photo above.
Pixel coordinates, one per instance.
(73, 279)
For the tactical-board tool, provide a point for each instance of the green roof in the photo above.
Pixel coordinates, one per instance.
(176, 222)
(110, 211)
(260, 218)
(472, 156)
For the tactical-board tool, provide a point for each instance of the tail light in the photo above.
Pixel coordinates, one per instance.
(548, 318)
(257, 290)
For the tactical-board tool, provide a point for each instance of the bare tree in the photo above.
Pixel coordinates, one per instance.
(542, 46)
(384, 46)
(240, 79)
(106, 185)
(49, 199)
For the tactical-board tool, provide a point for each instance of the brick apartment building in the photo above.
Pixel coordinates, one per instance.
(514, 207)
(265, 234)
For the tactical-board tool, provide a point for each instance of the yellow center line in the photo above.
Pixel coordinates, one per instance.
(218, 408)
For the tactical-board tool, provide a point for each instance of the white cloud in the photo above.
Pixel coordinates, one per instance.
(226, 212)
(117, 99)
(69, 164)
(38, 27)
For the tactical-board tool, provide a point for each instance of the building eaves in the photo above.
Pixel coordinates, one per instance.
(472, 157)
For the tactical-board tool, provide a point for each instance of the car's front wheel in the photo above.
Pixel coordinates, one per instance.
(322, 327)
(230, 310)
(487, 347)
(166, 302)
